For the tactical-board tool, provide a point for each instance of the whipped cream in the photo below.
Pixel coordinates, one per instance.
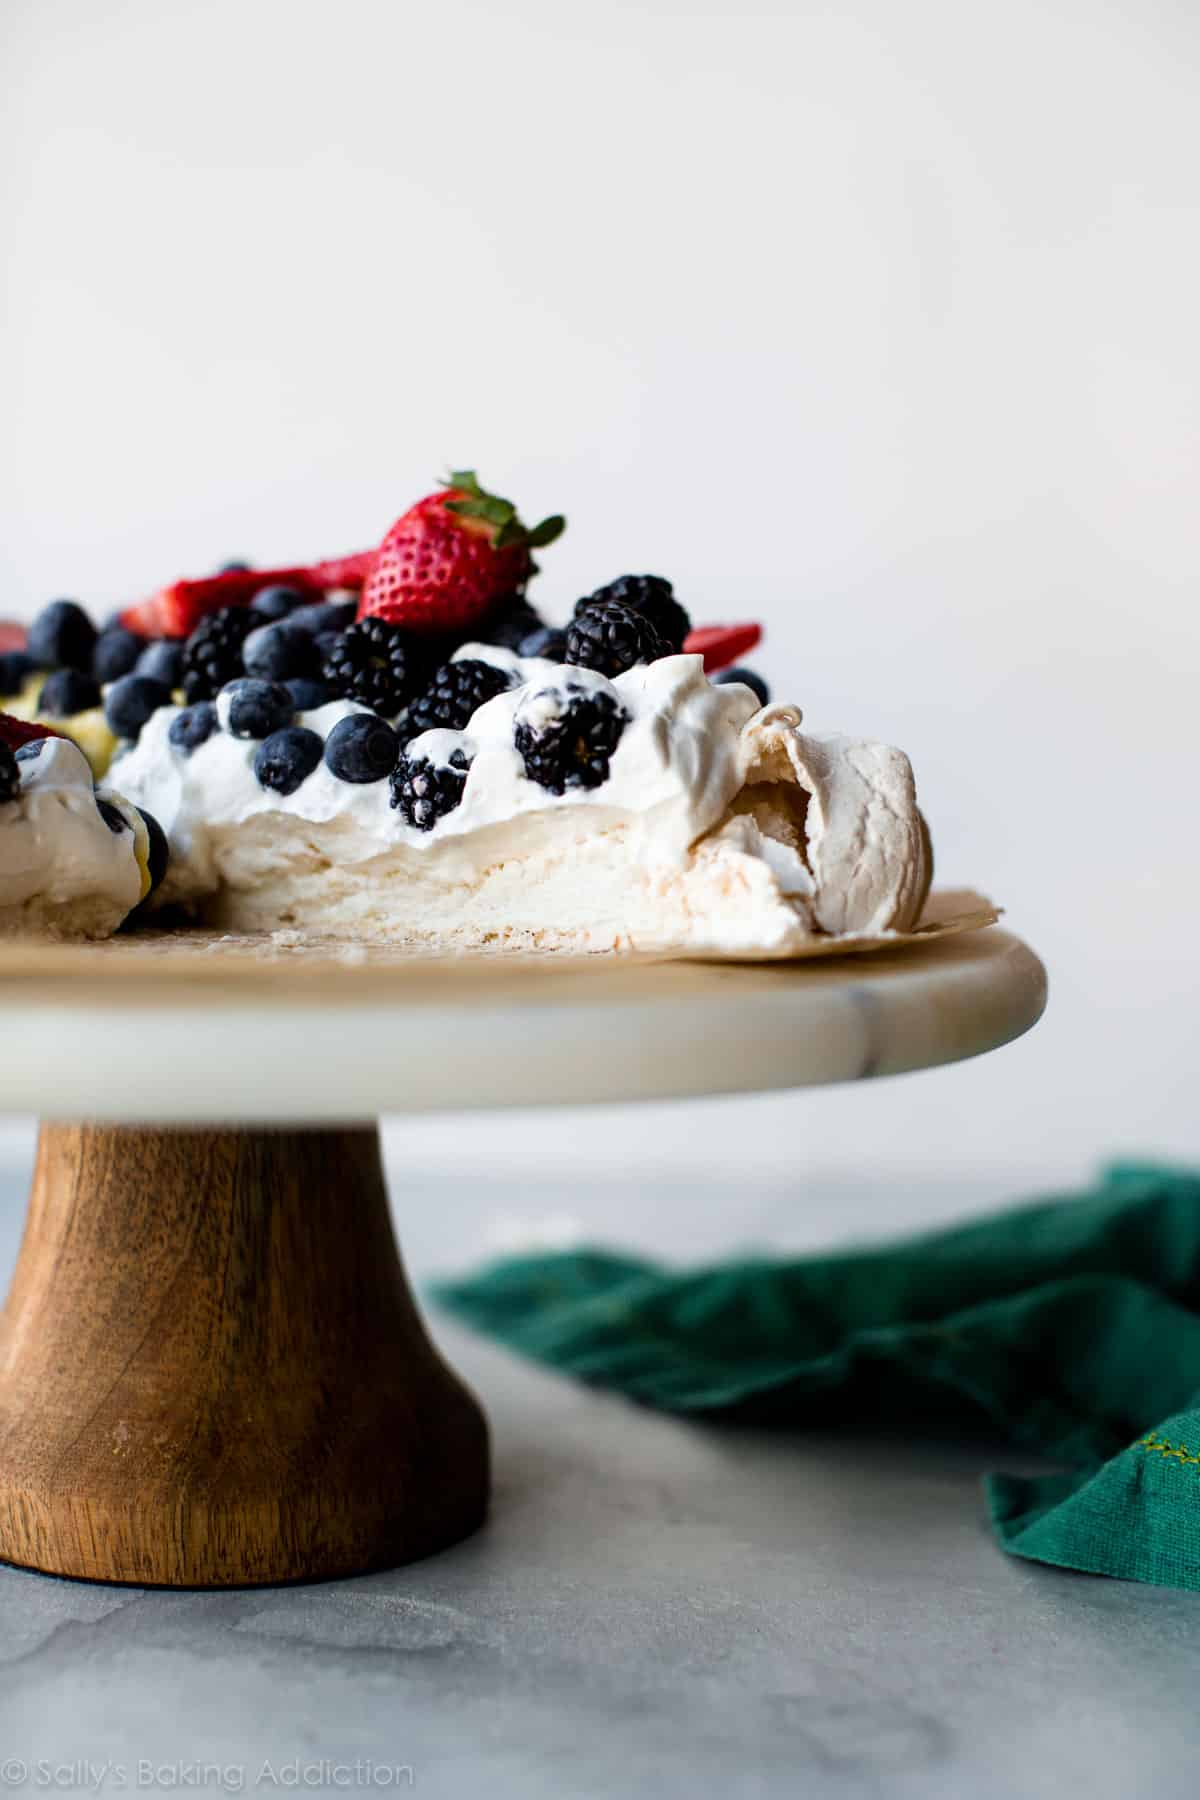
(64, 869)
(718, 826)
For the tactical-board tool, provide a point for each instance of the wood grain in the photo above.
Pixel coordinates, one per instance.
(212, 1371)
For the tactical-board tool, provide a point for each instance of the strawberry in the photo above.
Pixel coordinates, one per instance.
(12, 635)
(721, 645)
(175, 611)
(443, 566)
(15, 732)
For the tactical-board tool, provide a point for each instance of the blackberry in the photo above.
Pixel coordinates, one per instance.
(511, 620)
(653, 597)
(425, 791)
(213, 654)
(565, 739)
(611, 637)
(10, 775)
(66, 692)
(453, 695)
(371, 663)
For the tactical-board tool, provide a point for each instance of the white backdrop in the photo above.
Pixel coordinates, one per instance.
(879, 323)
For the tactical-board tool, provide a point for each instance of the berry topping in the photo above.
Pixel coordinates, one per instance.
(748, 678)
(257, 708)
(278, 653)
(456, 691)
(131, 701)
(162, 661)
(565, 737)
(116, 653)
(193, 726)
(361, 748)
(425, 791)
(66, 692)
(10, 775)
(308, 695)
(450, 559)
(324, 615)
(287, 758)
(650, 595)
(13, 635)
(721, 645)
(14, 668)
(610, 638)
(371, 663)
(18, 732)
(175, 611)
(62, 637)
(213, 654)
(278, 600)
(159, 854)
(547, 642)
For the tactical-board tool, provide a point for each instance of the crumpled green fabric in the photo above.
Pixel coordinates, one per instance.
(1069, 1327)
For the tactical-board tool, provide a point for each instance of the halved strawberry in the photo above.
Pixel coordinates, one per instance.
(721, 645)
(175, 611)
(15, 732)
(445, 563)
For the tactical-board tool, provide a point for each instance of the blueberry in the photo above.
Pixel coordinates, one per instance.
(257, 708)
(276, 653)
(277, 601)
(325, 615)
(116, 653)
(32, 750)
(748, 678)
(163, 661)
(131, 701)
(308, 695)
(62, 637)
(287, 758)
(361, 748)
(67, 691)
(193, 726)
(159, 853)
(14, 667)
(234, 568)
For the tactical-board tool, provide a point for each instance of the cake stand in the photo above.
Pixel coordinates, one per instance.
(212, 1371)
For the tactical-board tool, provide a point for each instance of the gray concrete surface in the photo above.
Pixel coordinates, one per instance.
(653, 1609)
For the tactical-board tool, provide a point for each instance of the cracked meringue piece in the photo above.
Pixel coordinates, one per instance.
(65, 869)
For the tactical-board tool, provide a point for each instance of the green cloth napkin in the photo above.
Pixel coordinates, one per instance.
(1070, 1327)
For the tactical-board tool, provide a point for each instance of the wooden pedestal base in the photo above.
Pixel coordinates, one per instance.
(212, 1371)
